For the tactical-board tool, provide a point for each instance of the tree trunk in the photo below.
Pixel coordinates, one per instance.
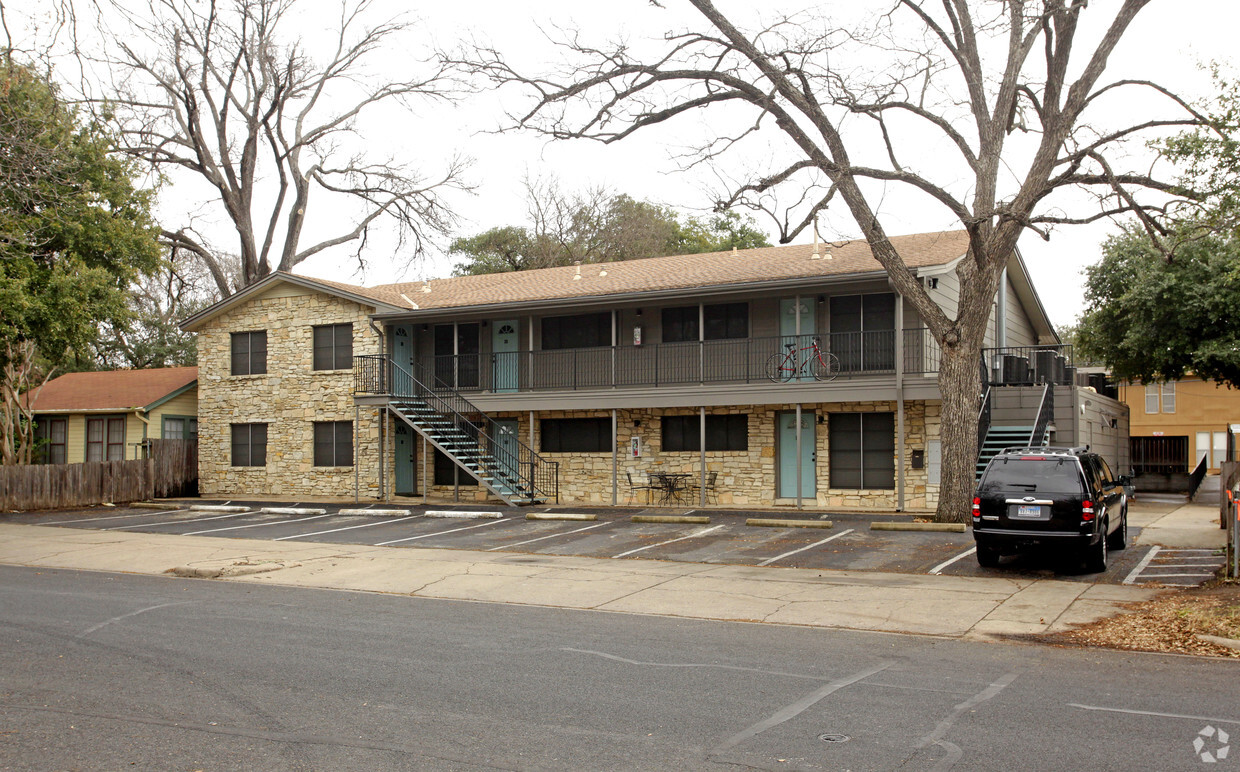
(960, 383)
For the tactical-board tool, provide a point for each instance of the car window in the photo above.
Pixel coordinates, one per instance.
(1107, 477)
(1032, 474)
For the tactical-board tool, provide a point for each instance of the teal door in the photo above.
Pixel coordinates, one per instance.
(797, 326)
(506, 449)
(402, 356)
(504, 356)
(787, 452)
(405, 477)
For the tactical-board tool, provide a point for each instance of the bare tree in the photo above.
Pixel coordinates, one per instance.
(20, 383)
(221, 89)
(1008, 93)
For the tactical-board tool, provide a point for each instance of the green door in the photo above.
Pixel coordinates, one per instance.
(797, 326)
(405, 477)
(787, 452)
(504, 356)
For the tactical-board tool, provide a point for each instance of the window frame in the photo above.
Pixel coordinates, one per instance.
(1167, 396)
(836, 445)
(189, 427)
(335, 344)
(107, 443)
(248, 443)
(552, 434)
(333, 442)
(44, 431)
(553, 331)
(247, 358)
(725, 432)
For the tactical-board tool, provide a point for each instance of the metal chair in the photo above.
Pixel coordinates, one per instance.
(711, 491)
(634, 487)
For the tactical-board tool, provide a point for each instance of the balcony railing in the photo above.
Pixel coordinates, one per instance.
(1029, 365)
(742, 360)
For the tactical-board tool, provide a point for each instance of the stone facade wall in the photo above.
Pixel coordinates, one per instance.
(289, 398)
(744, 478)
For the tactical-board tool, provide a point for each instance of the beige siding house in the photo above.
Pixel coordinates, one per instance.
(107, 416)
(782, 376)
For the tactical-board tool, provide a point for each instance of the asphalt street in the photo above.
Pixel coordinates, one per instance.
(107, 671)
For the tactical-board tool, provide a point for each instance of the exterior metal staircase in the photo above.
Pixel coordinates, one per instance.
(497, 459)
(994, 438)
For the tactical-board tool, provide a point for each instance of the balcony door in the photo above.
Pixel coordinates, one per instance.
(504, 355)
(797, 324)
(863, 331)
(456, 355)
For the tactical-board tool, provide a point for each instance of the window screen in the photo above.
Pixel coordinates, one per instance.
(862, 450)
(723, 432)
(333, 347)
(333, 443)
(576, 435)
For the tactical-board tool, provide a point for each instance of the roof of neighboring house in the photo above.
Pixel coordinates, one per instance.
(113, 389)
(653, 274)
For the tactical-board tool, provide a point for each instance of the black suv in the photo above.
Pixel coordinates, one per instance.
(1063, 497)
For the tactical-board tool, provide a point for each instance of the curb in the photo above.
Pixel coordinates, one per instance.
(939, 527)
(694, 519)
(559, 516)
(291, 511)
(240, 568)
(376, 512)
(463, 515)
(154, 505)
(1230, 643)
(767, 522)
(218, 508)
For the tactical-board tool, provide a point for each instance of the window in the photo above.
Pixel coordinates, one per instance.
(456, 355)
(862, 450)
(51, 435)
(249, 353)
(863, 331)
(581, 331)
(1166, 391)
(105, 438)
(333, 443)
(723, 432)
(1168, 397)
(1151, 397)
(576, 435)
(249, 444)
(333, 347)
(177, 427)
(721, 321)
(446, 470)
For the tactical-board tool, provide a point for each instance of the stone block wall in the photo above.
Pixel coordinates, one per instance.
(289, 398)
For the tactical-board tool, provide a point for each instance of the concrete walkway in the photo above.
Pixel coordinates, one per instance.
(905, 603)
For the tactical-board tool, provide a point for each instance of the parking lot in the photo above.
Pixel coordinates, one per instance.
(849, 544)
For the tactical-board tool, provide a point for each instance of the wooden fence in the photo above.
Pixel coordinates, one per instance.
(170, 469)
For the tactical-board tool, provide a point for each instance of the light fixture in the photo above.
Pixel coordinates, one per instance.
(639, 313)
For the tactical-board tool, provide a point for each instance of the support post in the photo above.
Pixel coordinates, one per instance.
(702, 450)
(799, 465)
(900, 450)
(615, 438)
(357, 425)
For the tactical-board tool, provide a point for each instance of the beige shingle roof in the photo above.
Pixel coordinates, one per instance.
(712, 269)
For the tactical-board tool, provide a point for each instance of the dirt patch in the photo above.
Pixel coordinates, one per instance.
(1179, 621)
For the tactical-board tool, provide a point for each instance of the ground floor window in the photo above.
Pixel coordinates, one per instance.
(180, 428)
(333, 443)
(723, 432)
(105, 438)
(862, 450)
(576, 435)
(249, 444)
(51, 436)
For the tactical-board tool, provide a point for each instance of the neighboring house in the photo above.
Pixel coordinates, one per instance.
(563, 384)
(106, 416)
(1177, 423)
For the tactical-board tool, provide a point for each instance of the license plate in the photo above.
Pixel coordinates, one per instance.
(1028, 510)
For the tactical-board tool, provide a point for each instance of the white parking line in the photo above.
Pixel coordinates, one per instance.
(947, 563)
(1145, 561)
(552, 536)
(254, 525)
(670, 541)
(442, 533)
(156, 513)
(802, 549)
(346, 528)
(178, 522)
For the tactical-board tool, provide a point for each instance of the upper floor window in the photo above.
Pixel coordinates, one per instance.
(333, 443)
(105, 438)
(249, 444)
(579, 331)
(719, 321)
(249, 353)
(723, 432)
(1156, 393)
(333, 346)
(52, 436)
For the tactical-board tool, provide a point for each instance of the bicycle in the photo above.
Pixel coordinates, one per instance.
(822, 365)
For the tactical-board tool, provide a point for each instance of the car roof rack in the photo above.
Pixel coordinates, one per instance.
(1046, 450)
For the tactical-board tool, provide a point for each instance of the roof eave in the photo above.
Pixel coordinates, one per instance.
(171, 395)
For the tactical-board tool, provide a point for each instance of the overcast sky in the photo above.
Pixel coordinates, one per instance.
(1167, 43)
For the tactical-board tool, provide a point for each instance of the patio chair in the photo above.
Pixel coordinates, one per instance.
(634, 487)
(712, 493)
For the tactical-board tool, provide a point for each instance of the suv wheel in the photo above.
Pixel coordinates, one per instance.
(1118, 539)
(1096, 554)
(987, 555)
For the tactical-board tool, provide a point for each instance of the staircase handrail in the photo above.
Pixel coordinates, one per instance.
(983, 420)
(378, 374)
(1046, 414)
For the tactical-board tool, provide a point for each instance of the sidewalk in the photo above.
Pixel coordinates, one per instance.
(975, 607)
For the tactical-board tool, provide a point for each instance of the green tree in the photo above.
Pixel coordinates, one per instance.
(597, 227)
(75, 231)
(1153, 319)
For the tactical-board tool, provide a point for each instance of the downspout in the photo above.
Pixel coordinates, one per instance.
(382, 419)
(146, 427)
(1001, 312)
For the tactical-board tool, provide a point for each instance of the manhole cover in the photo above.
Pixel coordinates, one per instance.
(833, 738)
